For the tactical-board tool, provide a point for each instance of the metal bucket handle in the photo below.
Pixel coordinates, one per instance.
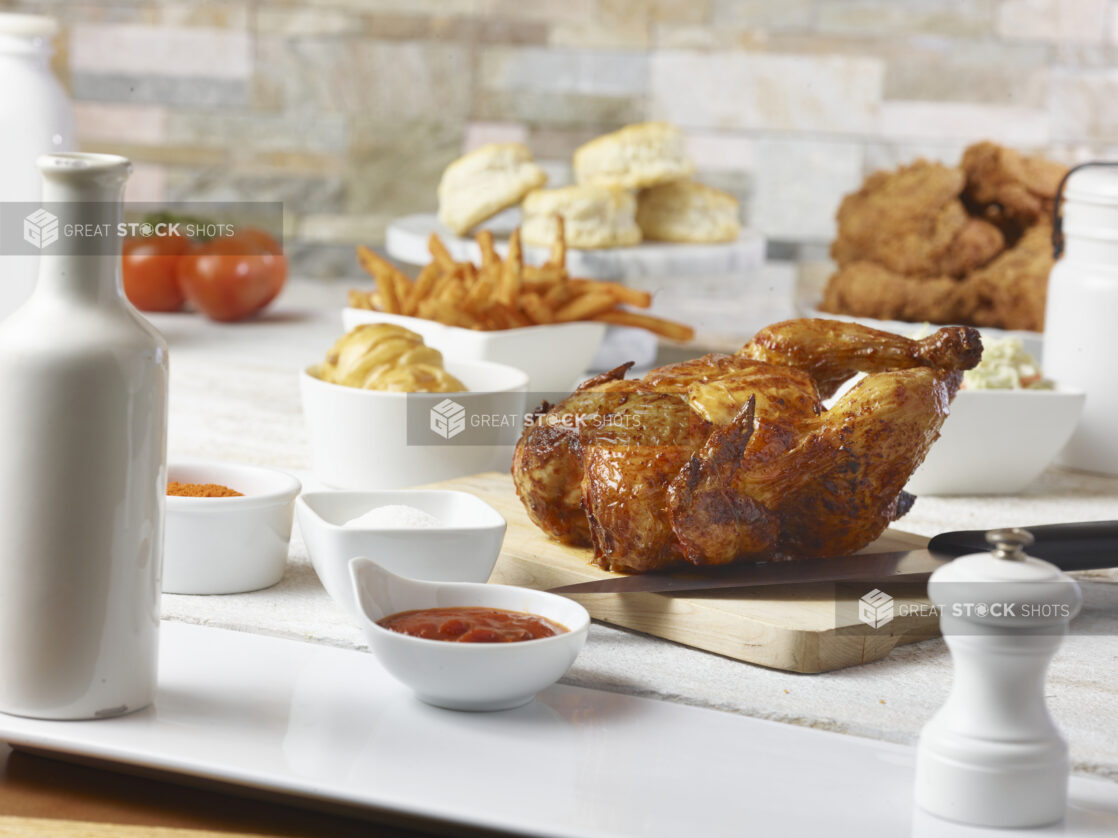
(1057, 217)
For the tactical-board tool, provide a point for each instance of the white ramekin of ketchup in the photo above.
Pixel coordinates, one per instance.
(467, 645)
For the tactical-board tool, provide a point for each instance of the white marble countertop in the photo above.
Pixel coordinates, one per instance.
(235, 397)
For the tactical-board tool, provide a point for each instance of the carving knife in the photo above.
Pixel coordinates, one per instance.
(1078, 546)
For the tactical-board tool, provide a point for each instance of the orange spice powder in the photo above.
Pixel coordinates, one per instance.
(201, 490)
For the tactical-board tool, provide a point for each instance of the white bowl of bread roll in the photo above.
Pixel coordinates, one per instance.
(553, 356)
(386, 411)
(371, 440)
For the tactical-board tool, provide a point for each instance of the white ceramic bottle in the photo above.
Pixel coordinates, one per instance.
(1080, 334)
(35, 118)
(83, 402)
(992, 756)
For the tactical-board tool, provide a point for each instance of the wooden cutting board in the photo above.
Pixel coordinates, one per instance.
(798, 628)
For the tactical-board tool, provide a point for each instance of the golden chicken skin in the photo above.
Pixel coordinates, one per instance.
(735, 457)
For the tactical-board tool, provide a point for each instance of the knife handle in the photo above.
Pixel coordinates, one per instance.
(1078, 546)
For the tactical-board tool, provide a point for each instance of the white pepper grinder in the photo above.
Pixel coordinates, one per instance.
(992, 756)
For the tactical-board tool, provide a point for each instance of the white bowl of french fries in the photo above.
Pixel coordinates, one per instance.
(534, 317)
(371, 440)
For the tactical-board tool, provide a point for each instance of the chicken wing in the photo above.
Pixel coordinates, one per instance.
(713, 520)
(840, 485)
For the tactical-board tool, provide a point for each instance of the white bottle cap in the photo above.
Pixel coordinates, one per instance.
(27, 26)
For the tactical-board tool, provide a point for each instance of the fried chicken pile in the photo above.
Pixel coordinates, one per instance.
(930, 242)
(733, 457)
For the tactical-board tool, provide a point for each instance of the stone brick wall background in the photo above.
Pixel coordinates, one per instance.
(348, 110)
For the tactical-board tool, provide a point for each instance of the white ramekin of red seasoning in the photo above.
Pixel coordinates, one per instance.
(227, 527)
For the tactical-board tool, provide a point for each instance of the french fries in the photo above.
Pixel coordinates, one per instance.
(504, 293)
(658, 325)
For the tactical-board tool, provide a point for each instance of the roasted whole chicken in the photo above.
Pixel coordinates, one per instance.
(734, 457)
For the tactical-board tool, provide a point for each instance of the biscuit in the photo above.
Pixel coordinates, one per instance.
(593, 216)
(685, 211)
(634, 157)
(484, 182)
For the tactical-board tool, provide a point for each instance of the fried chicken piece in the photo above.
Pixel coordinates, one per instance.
(1009, 188)
(1011, 292)
(907, 251)
(913, 222)
(1008, 293)
(866, 289)
(976, 244)
(733, 458)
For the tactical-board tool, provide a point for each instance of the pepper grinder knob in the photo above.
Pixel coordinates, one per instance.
(1010, 543)
(992, 756)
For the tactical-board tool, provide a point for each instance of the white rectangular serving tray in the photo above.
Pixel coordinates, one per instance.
(326, 726)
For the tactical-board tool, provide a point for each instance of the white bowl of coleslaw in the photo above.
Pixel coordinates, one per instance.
(1007, 424)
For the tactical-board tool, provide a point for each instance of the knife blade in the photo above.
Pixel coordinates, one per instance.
(1076, 546)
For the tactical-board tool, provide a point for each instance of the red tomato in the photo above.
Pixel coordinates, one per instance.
(150, 271)
(232, 277)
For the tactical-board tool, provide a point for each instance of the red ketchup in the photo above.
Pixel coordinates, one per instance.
(472, 625)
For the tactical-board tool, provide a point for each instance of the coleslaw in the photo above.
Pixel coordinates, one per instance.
(1005, 365)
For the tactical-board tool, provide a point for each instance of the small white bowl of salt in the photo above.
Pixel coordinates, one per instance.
(431, 535)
